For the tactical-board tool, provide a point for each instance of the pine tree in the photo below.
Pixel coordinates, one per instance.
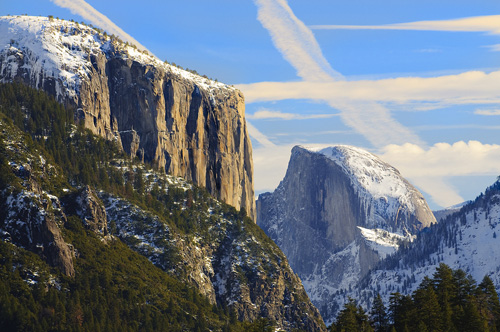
(489, 305)
(378, 314)
(443, 284)
(400, 309)
(347, 320)
(428, 308)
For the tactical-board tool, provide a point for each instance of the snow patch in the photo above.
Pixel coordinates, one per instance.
(383, 242)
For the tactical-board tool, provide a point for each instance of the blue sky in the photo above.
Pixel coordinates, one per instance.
(415, 82)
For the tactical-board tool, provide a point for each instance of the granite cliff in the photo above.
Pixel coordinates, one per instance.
(336, 214)
(186, 124)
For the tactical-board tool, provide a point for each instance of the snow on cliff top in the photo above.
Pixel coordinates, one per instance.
(61, 49)
(369, 174)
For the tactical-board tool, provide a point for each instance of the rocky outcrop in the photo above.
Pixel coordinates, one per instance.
(329, 212)
(188, 125)
(90, 209)
(29, 217)
(30, 226)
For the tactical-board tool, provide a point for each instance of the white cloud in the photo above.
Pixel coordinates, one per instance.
(473, 87)
(494, 48)
(297, 44)
(314, 133)
(489, 24)
(487, 112)
(269, 160)
(270, 164)
(455, 126)
(440, 190)
(264, 114)
(429, 168)
(82, 8)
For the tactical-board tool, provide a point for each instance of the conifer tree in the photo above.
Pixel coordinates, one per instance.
(443, 284)
(378, 314)
(489, 305)
(346, 321)
(428, 308)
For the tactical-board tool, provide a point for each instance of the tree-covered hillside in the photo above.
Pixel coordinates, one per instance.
(449, 301)
(91, 240)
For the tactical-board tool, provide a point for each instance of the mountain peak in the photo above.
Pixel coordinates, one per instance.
(372, 177)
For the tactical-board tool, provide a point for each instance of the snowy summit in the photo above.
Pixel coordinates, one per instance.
(63, 49)
(376, 181)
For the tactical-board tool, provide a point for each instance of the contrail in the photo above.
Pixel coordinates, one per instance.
(299, 47)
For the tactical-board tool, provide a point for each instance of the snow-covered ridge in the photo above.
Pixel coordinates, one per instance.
(61, 49)
(369, 172)
(467, 240)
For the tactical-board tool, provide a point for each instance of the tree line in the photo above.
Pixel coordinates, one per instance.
(450, 301)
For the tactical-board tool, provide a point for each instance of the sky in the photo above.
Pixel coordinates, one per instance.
(415, 82)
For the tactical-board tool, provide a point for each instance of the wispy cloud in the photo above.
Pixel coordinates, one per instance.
(466, 88)
(487, 112)
(265, 114)
(489, 24)
(494, 48)
(428, 168)
(455, 126)
(314, 133)
(297, 44)
(82, 8)
(269, 160)
(270, 164)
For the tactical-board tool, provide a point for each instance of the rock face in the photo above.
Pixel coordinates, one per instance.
(190, 126)
(30, 226)
(336, 213)
(86, 204)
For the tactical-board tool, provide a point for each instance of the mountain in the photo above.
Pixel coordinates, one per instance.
(91, 240)
(336, 214)
(184, 123)
(466, 239)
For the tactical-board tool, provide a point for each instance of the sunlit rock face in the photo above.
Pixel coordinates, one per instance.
(189, 125)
